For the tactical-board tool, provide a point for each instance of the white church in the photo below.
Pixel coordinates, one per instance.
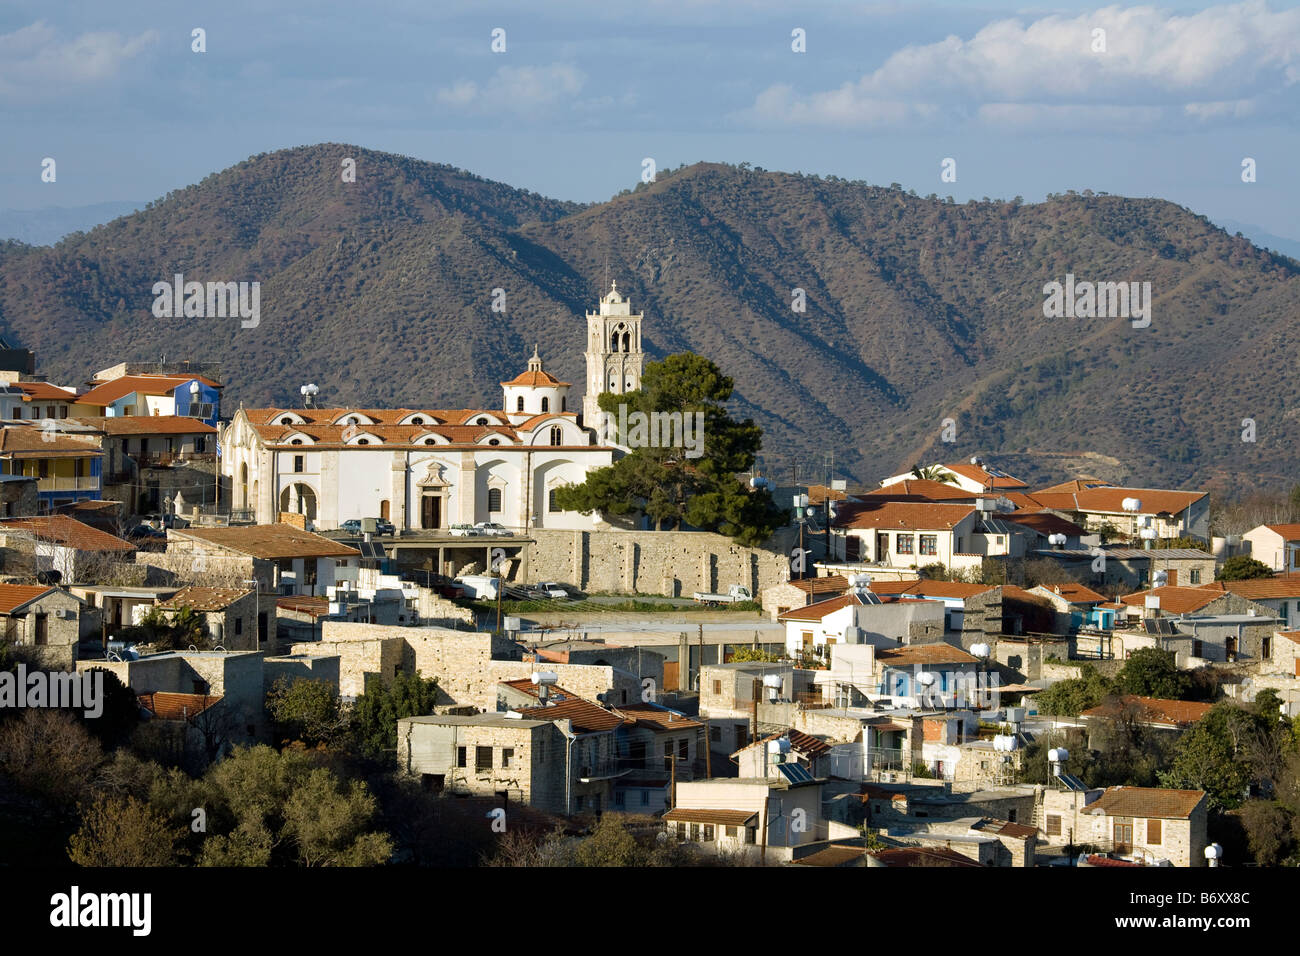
(429, 469)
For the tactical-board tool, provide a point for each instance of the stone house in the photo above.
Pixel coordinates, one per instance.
(283, 559)
(1208, 624)
(797, 592)
(763, 818)
(229, 614)
(46, 619)
(1096, 504)
(1280, 594)
(860, 617)
(1149, 824)
(557, 764)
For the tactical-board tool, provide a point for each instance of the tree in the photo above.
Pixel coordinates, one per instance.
(119, 831)
(610, 844)
(745, 654)
(1069, 697)
(1269, 833)
(307, 710)
(48, 754)
(377, 711)
(1242, 567)
(1221, 754)
(1152, 672)
(934, 473)
(268, 807)
(666, 481)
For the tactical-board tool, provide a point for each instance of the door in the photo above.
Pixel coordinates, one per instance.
(670, 675)
(1230, 648)
(383, 510)
(1173, 577)
(431, 511)
(1123, 835)
(882, 548)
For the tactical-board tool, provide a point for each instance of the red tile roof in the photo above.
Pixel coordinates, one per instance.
(819, 609)
(110, 391)
(536, 378)
(1152, 710)
(1175, 599)
(67, 532)
(903, 516)
(822, 585)
(44, 391)
(919, 489)
(833, 856)
(722, 818)
(29, 441)
(1108, 500)
(657, 718)
(923, 856)
(586, 716)
(15, 596)
(205, 599)
(1072, 592)
(271, 541)
(169, 706)
(1044, 522)
(1253, 589)
(1290, 532)
(924, 654)
(149, 425)
(984, 477)
(1146, 802)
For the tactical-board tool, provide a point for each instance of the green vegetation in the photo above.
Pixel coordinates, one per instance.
(1072, 696)
(1241, 567)
(663, 483)
(745, 654)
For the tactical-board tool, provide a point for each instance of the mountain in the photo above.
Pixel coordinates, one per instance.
(917, 310)
(46, 226)
(1263, 238)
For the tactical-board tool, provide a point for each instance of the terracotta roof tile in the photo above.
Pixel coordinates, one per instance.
(149, 425)
(1146, 802)
(14, 596)
(586, 716)
(44, 391)
(1072, 592)
(205, 599)
(923, 856)
(270, 541)
(1175, 599)
(67, 532)
(1108, 500)
(1254, 589)
(169, 706)
(985, 477)
(658, 718)
(1152, 710)
(1291, 532)
(108, 392)
(822, 585)
(919, 489)
(722, 818)
(903, 516)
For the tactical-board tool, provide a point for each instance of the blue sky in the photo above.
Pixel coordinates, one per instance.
(586, 90)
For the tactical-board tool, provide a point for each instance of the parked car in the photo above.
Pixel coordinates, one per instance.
(463, 531)
(493, 529)
(146, 531)
(552, 590)
(382, 526)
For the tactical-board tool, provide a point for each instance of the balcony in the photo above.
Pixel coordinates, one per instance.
(59, 483)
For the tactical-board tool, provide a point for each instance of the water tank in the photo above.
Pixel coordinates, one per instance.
(546, 678)
(779, 746)
(1131, 504)
(513, 624)
(1058, 755)
(1015, 715)
(981, 650)
(1004, 743)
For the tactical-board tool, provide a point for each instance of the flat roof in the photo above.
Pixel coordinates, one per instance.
(477, 720)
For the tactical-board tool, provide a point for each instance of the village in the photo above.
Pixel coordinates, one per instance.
(945, 668)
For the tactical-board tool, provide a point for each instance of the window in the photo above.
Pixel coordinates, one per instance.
(550, 501)
(1194, 576)
(481, 421)
(1123, 834)
(363, 441)
(695, 833)
(460, 756)
(1198, 649)
(668, 755)
(1266, 647)
(929, 544)
(1053, 824)
(299, 463)
(620, 798)
(564, 403)
(494, 441)
(708, 833)
(903, 544)
(507, 755)
(42, 629)
(645, 798)
(681, 831)
(417, 420)
(296, 441)
(731, 832)
(239, 625)
(557, 435)
(1011, 816)
(482, 759)
(1153, 832)
(519, 404)
(717, 688)
(546, 405)
(494, 499)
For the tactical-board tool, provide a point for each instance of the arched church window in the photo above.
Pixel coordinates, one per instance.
(564, 403)
(519, 404)
(494, 499)
(546, 405)
(557, 435)
(550, 501)
(481, 421)
(627, 342)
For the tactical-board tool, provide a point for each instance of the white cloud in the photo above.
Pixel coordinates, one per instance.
(35, 61)
(515, 88)
(1221, 62)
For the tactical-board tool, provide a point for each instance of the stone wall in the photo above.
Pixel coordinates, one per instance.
(671, 563)
(300, 667)
(358, 659)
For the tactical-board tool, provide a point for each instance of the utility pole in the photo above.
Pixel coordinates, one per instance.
(700, 665)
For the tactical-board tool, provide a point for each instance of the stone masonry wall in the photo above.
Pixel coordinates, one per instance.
(671, 563)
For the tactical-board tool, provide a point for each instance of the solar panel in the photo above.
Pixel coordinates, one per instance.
(794, 773)
(1071, 782)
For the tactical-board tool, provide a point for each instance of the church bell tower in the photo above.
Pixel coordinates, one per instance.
(614, 356)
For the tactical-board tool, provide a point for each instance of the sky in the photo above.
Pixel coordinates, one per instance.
(1167, 100)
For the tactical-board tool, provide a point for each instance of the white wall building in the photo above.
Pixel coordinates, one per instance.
(428, 469)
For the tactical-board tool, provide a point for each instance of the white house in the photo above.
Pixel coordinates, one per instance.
(1277, 545)
(859, 617)
(973, 476)
(428, 469)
